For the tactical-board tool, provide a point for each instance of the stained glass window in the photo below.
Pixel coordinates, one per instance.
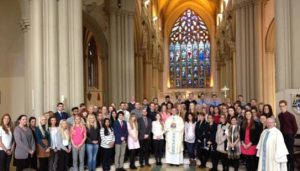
(189, 52)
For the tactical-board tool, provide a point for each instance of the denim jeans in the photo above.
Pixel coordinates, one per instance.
(92, 150)
(191, 150)
(75, 154)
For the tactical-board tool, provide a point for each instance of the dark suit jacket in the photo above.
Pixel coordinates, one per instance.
(200, 132)
(64, 115)
(143, 129)
(151, 114)
(131, 106)
(120, 131)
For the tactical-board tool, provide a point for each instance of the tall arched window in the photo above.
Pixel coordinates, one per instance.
(90, 59)
(189, 52)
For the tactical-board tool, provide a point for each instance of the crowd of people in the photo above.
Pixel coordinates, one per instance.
(203, 129)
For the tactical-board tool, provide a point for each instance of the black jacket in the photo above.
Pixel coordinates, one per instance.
(210, 134)
(254, 133)
(143, 129)
(200, 132)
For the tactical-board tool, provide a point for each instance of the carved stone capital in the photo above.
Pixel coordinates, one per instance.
(244, 3)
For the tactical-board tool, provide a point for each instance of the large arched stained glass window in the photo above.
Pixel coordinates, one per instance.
(189, 52)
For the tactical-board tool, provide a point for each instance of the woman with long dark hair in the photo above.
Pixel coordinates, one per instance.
(233, 139)
(249, 135)
(221, 139)
(6, 142)
(113, 117)
(158, 138)
(107, 144)
(32, 126)
(189, 138)
(25, 145)
(267, 110)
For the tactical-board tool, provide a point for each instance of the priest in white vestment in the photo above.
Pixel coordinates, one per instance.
(174, 127)
(271, 149)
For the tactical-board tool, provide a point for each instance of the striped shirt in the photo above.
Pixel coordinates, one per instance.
(107, 139)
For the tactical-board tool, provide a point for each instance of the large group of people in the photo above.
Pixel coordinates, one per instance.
(202, 129)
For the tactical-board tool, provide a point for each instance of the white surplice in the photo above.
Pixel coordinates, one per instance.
(174, 140)
(272, 151)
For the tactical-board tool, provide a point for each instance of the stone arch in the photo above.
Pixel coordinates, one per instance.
(97, 95)
(208, 18)
(269, 65)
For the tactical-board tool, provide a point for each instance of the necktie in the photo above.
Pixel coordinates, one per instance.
(146, 123)
(121, 124)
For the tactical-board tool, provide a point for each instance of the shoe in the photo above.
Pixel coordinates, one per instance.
(147, 164)
(122, 169)
(141, 165)
(202, 167)
(133, 167)
(159, 163)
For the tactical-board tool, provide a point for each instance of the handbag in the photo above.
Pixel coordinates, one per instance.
(41, 152)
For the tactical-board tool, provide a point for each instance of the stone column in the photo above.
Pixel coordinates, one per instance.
(131, 80)
(50, 28)
(121, 61)
(139, 79)
(283, 48)
(26, 25)
(63, 41)
(112, 74)
(75, 52)
(36, 53)
(245, 48)
(258, 51)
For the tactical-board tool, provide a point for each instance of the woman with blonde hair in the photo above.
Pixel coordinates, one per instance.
(78, 137)
(65, 146)
(43, 143)
(92, 141)
(133, 140)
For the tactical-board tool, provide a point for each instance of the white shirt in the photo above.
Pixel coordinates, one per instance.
(53, 136)
(157, 130)
(6, 139)
(189, 129)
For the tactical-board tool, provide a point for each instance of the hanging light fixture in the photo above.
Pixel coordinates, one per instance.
(119, 4)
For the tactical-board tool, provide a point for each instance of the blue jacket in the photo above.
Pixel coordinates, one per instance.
(39, 137)
(59, 117)
(120, 131)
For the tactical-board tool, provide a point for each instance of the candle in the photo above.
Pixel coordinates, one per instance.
(32, 99)
(62, 98)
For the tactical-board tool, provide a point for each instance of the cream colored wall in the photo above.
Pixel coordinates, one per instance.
(12, 96)
(11, 59)
(295, 42)
(287, 52)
